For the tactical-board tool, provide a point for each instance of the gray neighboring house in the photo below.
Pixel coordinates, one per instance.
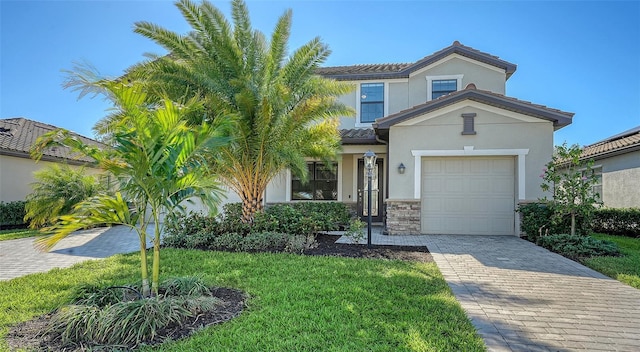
(17, 135)
(617, 165)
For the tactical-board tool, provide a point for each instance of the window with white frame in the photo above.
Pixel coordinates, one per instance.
(322, 183)
(371, 102)
(438, 86)
(597, 186)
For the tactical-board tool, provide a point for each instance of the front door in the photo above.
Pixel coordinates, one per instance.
(376, 191)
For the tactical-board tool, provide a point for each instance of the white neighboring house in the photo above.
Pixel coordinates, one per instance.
(455, 154)
(617, 167)
(17, 135)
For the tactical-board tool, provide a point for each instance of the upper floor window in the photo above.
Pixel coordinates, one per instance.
(322, 183)
(443, 87)
(371, 102)
(438, 86)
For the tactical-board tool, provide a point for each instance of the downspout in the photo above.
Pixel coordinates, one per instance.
(386, 186)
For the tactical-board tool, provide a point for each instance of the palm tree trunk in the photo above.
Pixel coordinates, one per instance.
(155, 275)
(573, 223)
(143, 263)
(251, 204)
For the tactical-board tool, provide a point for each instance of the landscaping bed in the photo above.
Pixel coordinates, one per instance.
(326, 299)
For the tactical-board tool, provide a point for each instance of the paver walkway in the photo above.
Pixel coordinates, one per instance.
(19, 257)
(522, 297)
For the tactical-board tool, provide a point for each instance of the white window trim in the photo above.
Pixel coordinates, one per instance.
(470, 151)
(358, 95)
(289, 177)
(430, 80)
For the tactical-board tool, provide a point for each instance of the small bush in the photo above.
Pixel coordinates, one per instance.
(329, 216)
(537, 218)
(576, 247)
(264, 241)
(195, 230)
(12, 214)
(619, 222)
(228, 242)
(355, 231)
(300, 243)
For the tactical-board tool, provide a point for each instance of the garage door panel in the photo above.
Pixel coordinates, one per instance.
(468, 195)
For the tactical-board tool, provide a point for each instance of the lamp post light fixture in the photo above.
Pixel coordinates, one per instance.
(369, 163)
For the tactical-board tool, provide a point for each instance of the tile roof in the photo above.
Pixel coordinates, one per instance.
(560, 118)
(358, 136)
(17, 135)
(403, 70)
(624, 142)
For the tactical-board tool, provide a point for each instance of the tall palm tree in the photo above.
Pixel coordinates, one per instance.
(158, 161)
(283, 111)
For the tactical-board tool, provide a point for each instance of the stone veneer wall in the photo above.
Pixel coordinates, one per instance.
(403, 217)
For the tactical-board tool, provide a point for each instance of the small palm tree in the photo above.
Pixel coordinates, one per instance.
(283, 111)
(158, 161)
(58, 188)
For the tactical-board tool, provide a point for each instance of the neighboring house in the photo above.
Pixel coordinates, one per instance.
(470, 153)
(17, 135)
(617, 167)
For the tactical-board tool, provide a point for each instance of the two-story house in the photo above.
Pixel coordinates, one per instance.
(455, 154)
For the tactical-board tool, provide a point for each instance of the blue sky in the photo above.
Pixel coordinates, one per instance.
(582, 57)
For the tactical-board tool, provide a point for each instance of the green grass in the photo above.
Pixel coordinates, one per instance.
(17, 233)
(624, 269)
(297, 303)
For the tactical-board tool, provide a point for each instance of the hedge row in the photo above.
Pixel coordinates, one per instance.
(289, 227)
(536, 220)
(620, 222)
(12, 214)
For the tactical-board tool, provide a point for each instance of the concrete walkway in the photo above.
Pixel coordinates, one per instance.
(20, 257)
(522, 297)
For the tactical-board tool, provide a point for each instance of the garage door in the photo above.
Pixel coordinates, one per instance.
(468, 195)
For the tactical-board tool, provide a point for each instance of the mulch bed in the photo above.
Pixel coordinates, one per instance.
(29, 335)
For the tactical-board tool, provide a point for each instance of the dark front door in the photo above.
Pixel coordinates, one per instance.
(376, 191)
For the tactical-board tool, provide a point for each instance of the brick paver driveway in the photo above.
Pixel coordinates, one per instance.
(19, 257)
(522, 297)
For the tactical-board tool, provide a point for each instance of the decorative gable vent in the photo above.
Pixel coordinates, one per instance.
(468, 123)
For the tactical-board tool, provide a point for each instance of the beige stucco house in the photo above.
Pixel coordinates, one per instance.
(469, 153)
(616, 162)
(17, 135)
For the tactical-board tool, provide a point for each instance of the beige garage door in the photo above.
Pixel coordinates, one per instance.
(468, 195)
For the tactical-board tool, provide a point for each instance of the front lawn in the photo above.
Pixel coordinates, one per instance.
(626, 268)
(17, 233)
(297, 303)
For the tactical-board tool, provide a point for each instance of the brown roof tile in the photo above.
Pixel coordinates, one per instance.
(560, 118)
(358, 136)
(403, 70)
(620, 143)
(17, 135)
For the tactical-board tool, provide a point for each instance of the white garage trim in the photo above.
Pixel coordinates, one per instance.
(470, 151)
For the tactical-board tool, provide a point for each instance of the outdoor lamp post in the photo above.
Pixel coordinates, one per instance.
(369, 163)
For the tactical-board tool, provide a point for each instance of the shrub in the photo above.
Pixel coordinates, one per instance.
(576, 247)
(620, 222)
(228, 242)
(195, 230)
(355, 231)
(300, 243)
(537, 218)
(12, 214)
(329, 216)
(264, 241)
